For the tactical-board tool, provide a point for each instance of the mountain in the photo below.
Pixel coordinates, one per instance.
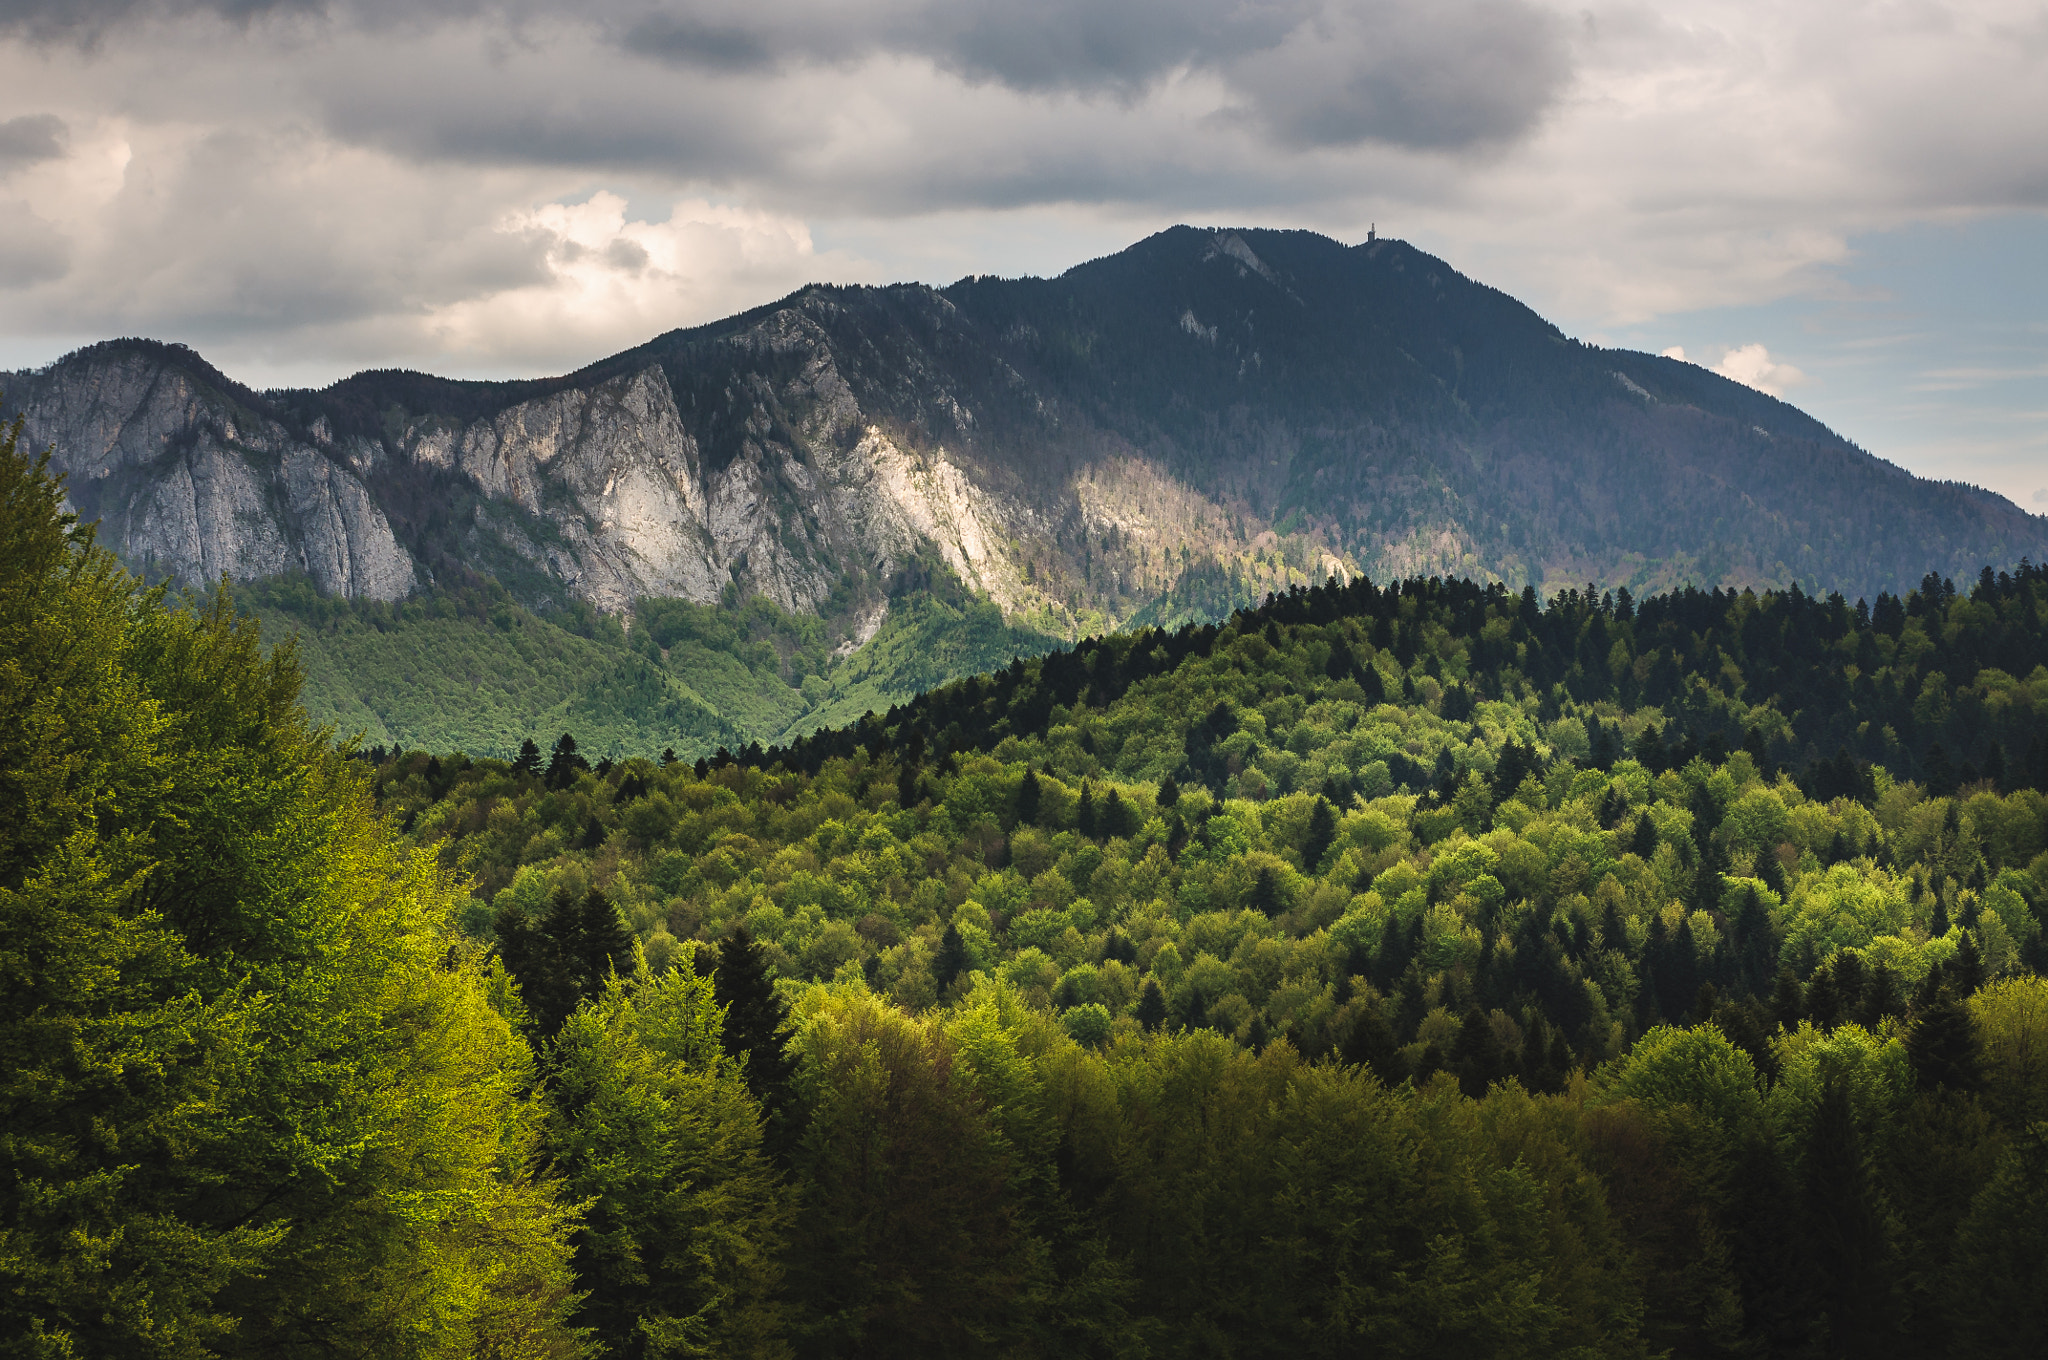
(1158, 435)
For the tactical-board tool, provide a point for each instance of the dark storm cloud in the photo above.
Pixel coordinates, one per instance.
(30, 138)
(1426, 74)
(1436, 74)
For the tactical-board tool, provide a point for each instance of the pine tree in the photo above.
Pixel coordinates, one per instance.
(1941, 775)
(1265, 897)
(1644, 842)
(1823, 1000)
(1322, 834)
(1788, 1001)
(1966, 969)
(563, 763)
(603, 944)
(951, 960)
(1084, 816)
(1371, 1044)
(1028, 795)
(1151, 1006)
(1169, 795)
(528, 760)
(1849, 1241)
(907, 793)
(1478, 1054)
(1114, 819)
(755, 1018)
(1942, 1045)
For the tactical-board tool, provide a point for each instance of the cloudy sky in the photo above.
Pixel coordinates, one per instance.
(1843, 203)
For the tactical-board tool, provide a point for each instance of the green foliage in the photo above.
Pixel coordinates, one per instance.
(469, 668)
(1407, 1029)
(257, 1099)
(652, 1125)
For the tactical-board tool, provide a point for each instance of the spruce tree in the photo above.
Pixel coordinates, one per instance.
(1942, 1045)
(1848, 1235)
(1084, 816)
(1966, 969)
(563, 763)
(1265, 897)
(1114, 820)
(528, 759)
(1169, 795)
(1322, 834)
(951, 960)
(755, 1018)
(1477, 1054)
(1028, 796)
(1644, 843)
(603, 944)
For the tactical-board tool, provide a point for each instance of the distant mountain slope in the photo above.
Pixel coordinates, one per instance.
(1068, 446)
(1158, 435)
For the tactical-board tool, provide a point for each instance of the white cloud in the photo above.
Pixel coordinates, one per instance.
(1675, 352)
(610, 282)
(1753, 366)
(325, 185)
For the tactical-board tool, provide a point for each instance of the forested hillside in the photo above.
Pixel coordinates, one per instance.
(1419, 971)
(471, 668)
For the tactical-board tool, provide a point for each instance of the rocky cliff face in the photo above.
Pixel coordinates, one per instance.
(190, 483)
(1273, 406)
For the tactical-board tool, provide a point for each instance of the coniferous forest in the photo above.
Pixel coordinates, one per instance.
(1419, 970)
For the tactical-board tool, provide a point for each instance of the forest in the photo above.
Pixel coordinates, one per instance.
(1415, 970)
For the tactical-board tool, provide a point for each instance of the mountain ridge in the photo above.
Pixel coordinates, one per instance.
(1155, 436)
(1409, 418)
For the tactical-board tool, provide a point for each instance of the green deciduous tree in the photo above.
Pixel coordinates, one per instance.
(651, 1123)
(256, 1099)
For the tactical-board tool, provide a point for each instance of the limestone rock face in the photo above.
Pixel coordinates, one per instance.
(600, 488)
(189, 483)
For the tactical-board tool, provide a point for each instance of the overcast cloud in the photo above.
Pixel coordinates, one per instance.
(301, 187)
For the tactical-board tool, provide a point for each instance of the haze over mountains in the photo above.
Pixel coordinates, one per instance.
(1165, 432)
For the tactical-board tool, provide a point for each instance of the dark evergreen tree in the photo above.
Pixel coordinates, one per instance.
(1151, 1006)
(1942, 1045)
(1372, 1044)
(1823, 999)
(755, 1020)
(1478, 1055)
(563, 763)
(603, 943)
(1115, 819)
(1966, 969)
(1788, 1001)
(1938, 774)
(1028, 795)
(1322, 834)
(1169, 795)
(951, 960)
(1881, 998)
(1848, 1232)
(907, 791)
(1265, 897)
(1644, 841)
(528, 759)
(1084, 814)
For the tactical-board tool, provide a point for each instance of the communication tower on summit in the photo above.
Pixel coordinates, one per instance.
(1372, 232)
